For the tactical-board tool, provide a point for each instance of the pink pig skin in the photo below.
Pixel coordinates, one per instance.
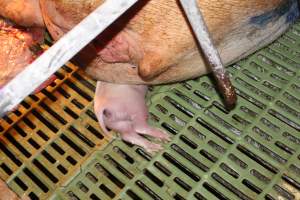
(122, 108)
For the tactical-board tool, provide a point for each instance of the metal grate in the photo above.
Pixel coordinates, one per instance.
(52, 147)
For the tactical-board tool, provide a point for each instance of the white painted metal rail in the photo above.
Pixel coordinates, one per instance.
(60, 53)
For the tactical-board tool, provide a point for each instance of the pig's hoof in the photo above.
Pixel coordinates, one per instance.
(135, 138)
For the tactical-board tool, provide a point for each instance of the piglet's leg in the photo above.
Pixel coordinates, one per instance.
(135, 138)
(122, 108)
(128, 133)
(142, 127)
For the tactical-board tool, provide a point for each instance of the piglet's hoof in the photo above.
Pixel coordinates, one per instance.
(122, 108)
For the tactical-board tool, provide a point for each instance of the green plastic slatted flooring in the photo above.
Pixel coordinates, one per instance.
(52, 146)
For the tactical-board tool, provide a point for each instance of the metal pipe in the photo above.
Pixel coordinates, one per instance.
(200, 29)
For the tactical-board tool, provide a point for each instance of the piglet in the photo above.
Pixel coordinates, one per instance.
(122, 108)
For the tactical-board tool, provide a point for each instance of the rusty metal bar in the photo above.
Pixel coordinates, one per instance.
(201, 32)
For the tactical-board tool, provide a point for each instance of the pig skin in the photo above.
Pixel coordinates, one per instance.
(15, 52)
(22, 12)
(157, 44)
(122, 108)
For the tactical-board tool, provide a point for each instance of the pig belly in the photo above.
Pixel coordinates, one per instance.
(152, 43)
(239, 38)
